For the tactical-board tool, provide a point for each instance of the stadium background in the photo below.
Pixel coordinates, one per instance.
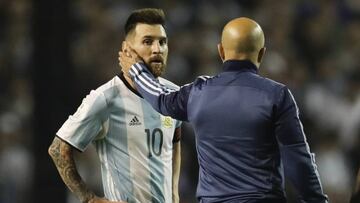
(52, 53)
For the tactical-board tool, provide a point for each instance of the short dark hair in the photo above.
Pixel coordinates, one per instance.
(149, 16)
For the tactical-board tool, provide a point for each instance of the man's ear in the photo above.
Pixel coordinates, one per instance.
(261, 54)
(221, 51)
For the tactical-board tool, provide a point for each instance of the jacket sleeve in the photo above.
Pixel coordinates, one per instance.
(166, 101)
(298, 161)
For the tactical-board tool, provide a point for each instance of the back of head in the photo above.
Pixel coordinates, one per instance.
(243, 39)
(149, 16)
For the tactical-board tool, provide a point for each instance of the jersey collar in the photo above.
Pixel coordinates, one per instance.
(239, 66)
(121, 76)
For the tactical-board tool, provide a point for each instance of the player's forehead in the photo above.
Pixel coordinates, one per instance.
(146, 30)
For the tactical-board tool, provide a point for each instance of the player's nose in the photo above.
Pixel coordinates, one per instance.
(157, 48)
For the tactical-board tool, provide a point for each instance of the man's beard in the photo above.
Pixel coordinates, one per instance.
(156, 69)
(156, 66)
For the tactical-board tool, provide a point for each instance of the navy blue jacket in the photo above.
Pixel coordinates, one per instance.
(248, 133)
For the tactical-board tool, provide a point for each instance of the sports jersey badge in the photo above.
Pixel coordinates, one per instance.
(167, 121)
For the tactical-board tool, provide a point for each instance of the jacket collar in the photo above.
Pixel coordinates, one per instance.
(239, 66)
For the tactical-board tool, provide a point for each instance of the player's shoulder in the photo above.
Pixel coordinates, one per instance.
(110, 88)
(274, 83)
(270, 84)
(168, 83)
(108, 85)
(202, 79)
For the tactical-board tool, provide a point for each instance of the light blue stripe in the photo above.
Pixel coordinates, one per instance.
(117, 150)
(156, 165)
(157, 180)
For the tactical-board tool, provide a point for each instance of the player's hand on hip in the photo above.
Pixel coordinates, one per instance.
(103, 200)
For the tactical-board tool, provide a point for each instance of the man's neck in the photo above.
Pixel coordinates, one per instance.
(128, 79)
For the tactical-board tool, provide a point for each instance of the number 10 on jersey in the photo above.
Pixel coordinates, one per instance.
(154, 141)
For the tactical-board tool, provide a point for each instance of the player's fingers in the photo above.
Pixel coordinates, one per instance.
(120, 64)
(122, 57)
(124, 63)
(121, 61)
(135, 55)
(132, 52)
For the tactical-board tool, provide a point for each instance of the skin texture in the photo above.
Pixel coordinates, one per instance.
(150, 43)
(62, 155)
(242, 39)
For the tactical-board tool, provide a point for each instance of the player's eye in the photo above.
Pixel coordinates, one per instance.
(163, 42)
(147, 41)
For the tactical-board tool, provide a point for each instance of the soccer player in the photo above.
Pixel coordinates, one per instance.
(139, 148)
(248, 131)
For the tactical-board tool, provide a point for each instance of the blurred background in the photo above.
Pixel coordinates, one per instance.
(52, 53)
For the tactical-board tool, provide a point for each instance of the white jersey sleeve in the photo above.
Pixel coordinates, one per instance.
(83, 127)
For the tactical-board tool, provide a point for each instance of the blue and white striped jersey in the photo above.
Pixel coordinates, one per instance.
(248, 133)
(133, 141)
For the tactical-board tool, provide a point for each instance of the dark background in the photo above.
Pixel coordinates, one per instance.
(52, 53)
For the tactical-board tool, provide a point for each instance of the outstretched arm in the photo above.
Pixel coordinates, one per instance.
(62, 155)
(166, 101)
